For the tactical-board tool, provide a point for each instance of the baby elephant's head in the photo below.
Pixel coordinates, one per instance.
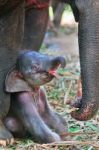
(38, 69)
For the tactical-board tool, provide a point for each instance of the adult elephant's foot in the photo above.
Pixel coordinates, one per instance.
(5, 136)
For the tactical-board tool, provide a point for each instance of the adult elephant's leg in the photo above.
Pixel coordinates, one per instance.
(89, 58)
(11, 29)
(58, 14)
(35, 28)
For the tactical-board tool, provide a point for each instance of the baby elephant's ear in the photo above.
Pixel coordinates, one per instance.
(14, 83)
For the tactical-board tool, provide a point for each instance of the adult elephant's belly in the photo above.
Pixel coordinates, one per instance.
(37, 3)
(8, 5)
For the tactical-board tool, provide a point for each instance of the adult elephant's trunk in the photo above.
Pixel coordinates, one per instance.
(58, 61)
(89, 59)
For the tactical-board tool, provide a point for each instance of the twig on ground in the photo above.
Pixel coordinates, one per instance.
(64, 143)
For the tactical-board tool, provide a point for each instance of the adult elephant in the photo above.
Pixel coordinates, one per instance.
(22, 26)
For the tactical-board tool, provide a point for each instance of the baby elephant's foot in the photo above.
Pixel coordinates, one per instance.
(61, 126)
(6, 137)
(54, 138)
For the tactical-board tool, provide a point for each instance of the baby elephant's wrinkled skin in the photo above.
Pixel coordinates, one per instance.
(30, 112)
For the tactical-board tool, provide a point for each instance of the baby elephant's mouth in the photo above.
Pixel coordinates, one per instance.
(53, 71)
(47, 76)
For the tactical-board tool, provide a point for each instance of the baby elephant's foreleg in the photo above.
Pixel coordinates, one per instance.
(51, 118)
(55, 121)
(26, 110)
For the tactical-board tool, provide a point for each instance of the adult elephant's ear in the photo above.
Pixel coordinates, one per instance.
(14, 82)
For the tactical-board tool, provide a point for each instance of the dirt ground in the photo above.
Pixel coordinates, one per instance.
(63, 41)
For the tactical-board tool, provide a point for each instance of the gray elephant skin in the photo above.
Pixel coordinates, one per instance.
(23, 25)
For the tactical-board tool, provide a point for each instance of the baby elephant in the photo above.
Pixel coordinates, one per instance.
(30, 112)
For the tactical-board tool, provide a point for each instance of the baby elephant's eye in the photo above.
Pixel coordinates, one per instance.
(35, 68)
